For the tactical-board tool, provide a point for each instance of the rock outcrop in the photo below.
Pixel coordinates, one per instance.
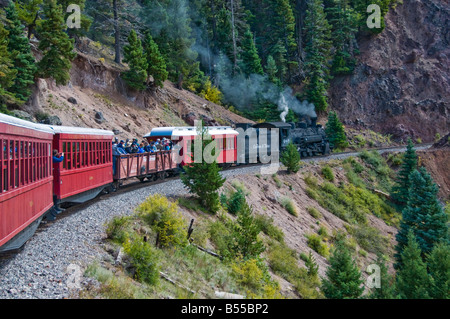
(401, 85)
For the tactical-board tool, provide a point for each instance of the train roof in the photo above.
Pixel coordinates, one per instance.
(11, 120)
(189, 131)
(78, 130)
(52, 129)
(273, 125)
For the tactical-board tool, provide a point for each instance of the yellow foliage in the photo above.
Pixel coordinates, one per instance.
(211, 93)
(163, 216)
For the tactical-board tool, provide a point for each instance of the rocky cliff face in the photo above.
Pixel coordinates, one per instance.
(402, 83)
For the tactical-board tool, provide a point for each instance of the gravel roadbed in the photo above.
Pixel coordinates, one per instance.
(48, 266)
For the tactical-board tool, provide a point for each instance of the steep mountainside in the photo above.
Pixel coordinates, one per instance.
(401, 84)
(96, 87)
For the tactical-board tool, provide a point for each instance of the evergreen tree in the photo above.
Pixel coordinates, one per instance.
(317, 48)
(399, 193)
(28, 11)
(311, 266)
(156, 63)
(343, 20)
(272, 70)
(422, 215)
(413, 281)
(280, 56)
(283, 29)
(387, 283)
(291, 158)
(21, 56)
(438, 262)
(245, 242)
(7, 72)
(343, 279)
(202, 177)
(335, 131)
(251, 63)
(55, 45)
(136, 76)
(85, 21)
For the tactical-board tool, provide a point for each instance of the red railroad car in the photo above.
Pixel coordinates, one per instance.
(87, 166)
(26, 179)
(182, 137)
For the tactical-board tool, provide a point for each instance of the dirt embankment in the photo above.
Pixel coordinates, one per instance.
(437, 162)
(97, 97)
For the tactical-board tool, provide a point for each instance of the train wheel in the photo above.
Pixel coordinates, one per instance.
(141, 179)
(162, 175)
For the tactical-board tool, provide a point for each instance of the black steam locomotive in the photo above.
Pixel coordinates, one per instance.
(257, 140)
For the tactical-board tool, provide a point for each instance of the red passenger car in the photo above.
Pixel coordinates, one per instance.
(87, 166)
(182, 138)
(26, 180)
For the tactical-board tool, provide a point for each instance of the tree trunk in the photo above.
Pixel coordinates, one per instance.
(117, 58)
(233, 30)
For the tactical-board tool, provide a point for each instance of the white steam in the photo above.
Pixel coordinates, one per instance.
(288, 101)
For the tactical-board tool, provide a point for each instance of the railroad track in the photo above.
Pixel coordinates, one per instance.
(129, 186)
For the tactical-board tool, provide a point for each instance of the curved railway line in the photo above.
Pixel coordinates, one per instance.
(40, 268)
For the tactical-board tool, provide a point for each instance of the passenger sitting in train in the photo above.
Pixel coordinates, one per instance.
(147, 147)
(121, 148)
(141, 148)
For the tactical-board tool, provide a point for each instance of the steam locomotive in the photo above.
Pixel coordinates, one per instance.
(308, 136)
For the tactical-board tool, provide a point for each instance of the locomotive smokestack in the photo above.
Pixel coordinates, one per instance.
(313, 121)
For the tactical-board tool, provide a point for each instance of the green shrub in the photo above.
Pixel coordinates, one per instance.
(311, 193)
(144, 259)
(267, 227)
(282, 260)
(370, 239)
(116, 229)
(163, 216)
(236, 202)
(327, 172)
(315, 242)
(314, 212)
(311, 181)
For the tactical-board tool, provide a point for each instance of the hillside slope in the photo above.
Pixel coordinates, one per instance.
(96, 86)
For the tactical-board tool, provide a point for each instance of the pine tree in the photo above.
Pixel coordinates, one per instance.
(251, 63)
(202, 177)
(422, 215)
(343, 279)
(283, 30)
(335, 131)
(157, 67)
(7, 72)
(272, 70)
(399, 193)
(387, 288)
(21, 56)
(438, 262)
(136, 76)
(279, 53)
(85, 21)
(245, 242)
(28, 12)
(55, 45)
(413, 281)
(343, 20)
(291, 158)
(317, 48)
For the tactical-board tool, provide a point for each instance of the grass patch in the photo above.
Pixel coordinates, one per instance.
(289, 205)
